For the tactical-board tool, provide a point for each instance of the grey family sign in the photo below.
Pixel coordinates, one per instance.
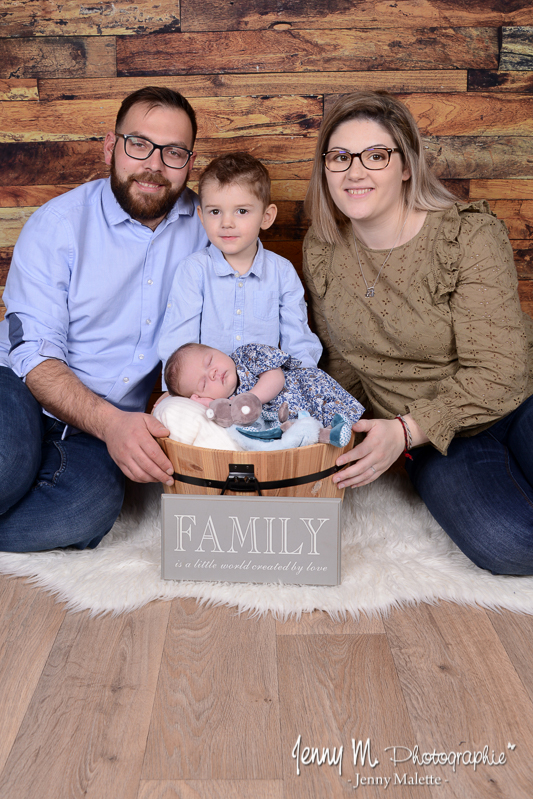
(251, 539)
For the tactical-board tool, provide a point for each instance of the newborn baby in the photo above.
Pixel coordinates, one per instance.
(273, 381)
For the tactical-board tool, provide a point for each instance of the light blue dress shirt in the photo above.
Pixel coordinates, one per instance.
(211, 303)
(89, 285)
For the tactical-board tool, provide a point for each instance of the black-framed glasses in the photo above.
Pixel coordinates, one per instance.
(140, 148)
(371, 158)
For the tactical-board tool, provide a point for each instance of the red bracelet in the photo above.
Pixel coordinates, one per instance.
(407, 437)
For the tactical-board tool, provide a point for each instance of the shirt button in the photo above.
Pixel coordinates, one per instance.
(241, 284)
(126, 379)
(141, 357)
(149, 282)
(239, 311)
(169, 305)
(148, 321)
(238, 338)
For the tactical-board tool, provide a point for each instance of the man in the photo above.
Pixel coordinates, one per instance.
(85, 298)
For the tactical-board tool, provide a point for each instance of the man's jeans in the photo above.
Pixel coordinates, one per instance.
(481, 492)
(53, 493)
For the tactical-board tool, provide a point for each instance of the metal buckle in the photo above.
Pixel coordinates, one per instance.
(241, 478)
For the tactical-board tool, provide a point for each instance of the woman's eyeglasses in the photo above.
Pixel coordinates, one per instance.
(371, 158)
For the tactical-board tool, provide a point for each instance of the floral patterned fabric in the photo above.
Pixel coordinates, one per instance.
(305, 389)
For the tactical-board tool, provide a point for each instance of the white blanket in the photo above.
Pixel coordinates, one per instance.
(188, 424)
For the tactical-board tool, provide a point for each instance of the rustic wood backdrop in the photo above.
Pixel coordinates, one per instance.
(259, 74)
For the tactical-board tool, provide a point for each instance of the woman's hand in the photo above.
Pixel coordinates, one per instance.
(382, 445)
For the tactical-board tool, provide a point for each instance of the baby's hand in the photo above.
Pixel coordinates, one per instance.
(205, 401)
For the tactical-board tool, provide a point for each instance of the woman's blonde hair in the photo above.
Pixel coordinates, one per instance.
(422, 190)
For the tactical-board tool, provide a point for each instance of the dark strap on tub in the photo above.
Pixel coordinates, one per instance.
(241, 478)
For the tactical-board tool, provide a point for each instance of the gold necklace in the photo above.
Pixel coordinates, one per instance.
(370, 289)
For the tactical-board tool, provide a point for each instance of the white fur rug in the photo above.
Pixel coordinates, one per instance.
(393, 553)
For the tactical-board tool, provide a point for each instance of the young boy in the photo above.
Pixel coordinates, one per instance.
(205, 374)
(235, 292)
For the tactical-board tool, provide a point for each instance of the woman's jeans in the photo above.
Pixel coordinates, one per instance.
(53, 492)
(481, 492)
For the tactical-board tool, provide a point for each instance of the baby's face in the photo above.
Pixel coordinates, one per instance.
(207, 372)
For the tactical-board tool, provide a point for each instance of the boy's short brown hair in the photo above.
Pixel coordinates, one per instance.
(240, 168)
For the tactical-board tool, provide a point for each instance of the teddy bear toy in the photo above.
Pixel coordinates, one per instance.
(244, 409)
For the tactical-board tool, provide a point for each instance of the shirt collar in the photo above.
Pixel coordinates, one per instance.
(115, 214)
(222, 267)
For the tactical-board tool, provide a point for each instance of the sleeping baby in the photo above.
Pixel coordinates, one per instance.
(258, 379)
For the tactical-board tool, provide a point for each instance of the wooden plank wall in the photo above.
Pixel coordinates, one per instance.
(259, 74)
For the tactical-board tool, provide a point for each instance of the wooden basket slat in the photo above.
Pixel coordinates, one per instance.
(213, 464)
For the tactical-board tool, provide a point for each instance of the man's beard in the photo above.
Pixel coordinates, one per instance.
(144, 208)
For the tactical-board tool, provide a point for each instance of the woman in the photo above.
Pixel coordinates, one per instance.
(414, 296)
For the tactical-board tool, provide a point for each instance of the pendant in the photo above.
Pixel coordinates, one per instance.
(370, 292)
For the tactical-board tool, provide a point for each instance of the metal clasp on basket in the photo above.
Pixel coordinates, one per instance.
(241, 477)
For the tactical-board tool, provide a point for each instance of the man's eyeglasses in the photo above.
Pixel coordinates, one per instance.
(371, 158)
(141, 149)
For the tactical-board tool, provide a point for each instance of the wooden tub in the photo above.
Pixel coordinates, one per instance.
(213, 465)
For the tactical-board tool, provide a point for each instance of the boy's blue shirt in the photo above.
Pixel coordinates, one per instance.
(211, 303)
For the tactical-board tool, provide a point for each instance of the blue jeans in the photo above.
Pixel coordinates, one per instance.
(53, 493)
(481, 492)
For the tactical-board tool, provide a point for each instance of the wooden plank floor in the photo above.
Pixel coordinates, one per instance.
(178, 701)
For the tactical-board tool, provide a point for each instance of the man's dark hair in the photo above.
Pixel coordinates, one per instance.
(153, 96)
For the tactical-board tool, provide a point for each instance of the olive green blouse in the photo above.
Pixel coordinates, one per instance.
(443, 338)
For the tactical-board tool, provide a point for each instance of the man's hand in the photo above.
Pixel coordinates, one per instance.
(130, 441)
(128, 435)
